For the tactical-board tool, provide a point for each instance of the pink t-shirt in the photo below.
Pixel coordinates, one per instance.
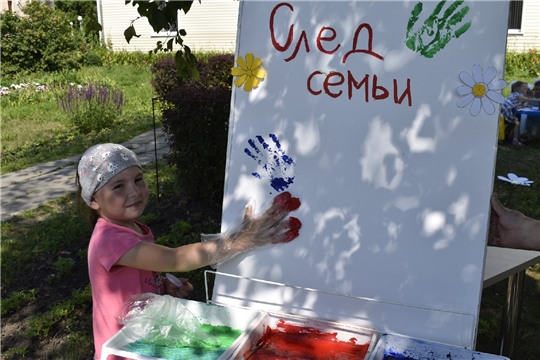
(113, 285)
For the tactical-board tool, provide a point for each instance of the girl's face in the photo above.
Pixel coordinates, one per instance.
(123, 199)
(523, 89)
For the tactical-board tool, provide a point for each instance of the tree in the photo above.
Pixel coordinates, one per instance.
(163, 15)
(87, 10)
(41, 40)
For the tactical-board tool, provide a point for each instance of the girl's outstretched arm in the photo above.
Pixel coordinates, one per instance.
(272, 227)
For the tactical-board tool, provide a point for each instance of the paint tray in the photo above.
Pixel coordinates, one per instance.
(322, 336)
(390, 347)
(209, 314)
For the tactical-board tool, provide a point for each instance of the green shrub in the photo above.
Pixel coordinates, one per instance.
(92, 108)
(195, 117)
(42, 40)
(196, 126)
(129, 58)
(92, 59)
(217, 71)
(523, 63)
(164, 79)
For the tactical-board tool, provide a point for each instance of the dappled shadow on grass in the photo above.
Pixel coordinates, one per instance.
(527, 346)
(522, 161)
(32, 245)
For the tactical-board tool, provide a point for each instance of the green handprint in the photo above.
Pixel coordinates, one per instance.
(437, 30)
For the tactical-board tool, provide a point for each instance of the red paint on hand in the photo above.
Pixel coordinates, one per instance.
(282, 199)
(294, 203)
(294, 223)
(286, 202)
(287, 237)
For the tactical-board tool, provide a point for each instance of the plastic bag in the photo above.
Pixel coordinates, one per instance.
(163, 320)
(272, 227)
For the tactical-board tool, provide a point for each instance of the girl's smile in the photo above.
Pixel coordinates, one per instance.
(123, 199)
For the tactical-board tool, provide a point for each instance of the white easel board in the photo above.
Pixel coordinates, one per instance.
(366, 114)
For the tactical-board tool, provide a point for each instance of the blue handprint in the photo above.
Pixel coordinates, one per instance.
(278, 166)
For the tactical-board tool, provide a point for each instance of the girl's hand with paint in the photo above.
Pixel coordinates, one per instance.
(273, 227)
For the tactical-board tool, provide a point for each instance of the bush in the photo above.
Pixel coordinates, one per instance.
(195, 118)
(213, 70)
(164, 79)
(92, 108)
(92, 59)
(523, 64)
(217, 71)
(42, 40)
(123, 57)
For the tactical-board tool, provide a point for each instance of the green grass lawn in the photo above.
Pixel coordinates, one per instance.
(35, 130)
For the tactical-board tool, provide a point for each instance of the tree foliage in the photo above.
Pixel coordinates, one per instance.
(86, 9)
(40, 41)
(163, 15)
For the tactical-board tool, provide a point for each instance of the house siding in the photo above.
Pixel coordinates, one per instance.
(210, 26)
(529, 37)
(16, 6)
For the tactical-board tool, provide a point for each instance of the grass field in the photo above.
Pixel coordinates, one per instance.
(46, 302)
(35, 130)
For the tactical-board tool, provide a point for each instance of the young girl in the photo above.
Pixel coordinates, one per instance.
(123, 259)
(516, 100)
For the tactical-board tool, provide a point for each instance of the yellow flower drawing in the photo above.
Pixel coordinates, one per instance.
(248, 72)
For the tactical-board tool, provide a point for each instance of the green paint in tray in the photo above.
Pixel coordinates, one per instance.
(225, 334)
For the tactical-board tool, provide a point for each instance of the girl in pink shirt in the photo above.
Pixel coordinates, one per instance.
(123, 259)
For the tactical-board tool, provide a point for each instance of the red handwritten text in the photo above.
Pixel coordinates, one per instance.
(321, 38)
(332, 87)
(337, 83)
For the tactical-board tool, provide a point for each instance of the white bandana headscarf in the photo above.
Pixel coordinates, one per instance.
(101, 163)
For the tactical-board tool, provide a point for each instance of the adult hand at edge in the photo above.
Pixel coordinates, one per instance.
(514, 229)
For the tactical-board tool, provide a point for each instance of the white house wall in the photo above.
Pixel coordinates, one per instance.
(529, 37)
(210, 26)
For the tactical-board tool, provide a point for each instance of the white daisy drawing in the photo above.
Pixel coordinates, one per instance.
(480, 90)
(516, 180)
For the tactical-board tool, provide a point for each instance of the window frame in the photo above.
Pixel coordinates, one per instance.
(514, 31)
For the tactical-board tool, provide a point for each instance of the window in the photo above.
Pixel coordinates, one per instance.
(515, 15)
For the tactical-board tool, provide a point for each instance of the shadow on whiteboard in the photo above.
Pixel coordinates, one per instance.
(382, 316)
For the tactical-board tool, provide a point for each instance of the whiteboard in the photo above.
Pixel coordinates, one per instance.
(386, 131)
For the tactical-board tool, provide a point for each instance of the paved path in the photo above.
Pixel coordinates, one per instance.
(27, 189)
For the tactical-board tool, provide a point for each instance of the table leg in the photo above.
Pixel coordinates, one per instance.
(522, 124)
(511, 313)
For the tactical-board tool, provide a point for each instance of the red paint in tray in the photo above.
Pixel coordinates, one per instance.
(288, 341)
